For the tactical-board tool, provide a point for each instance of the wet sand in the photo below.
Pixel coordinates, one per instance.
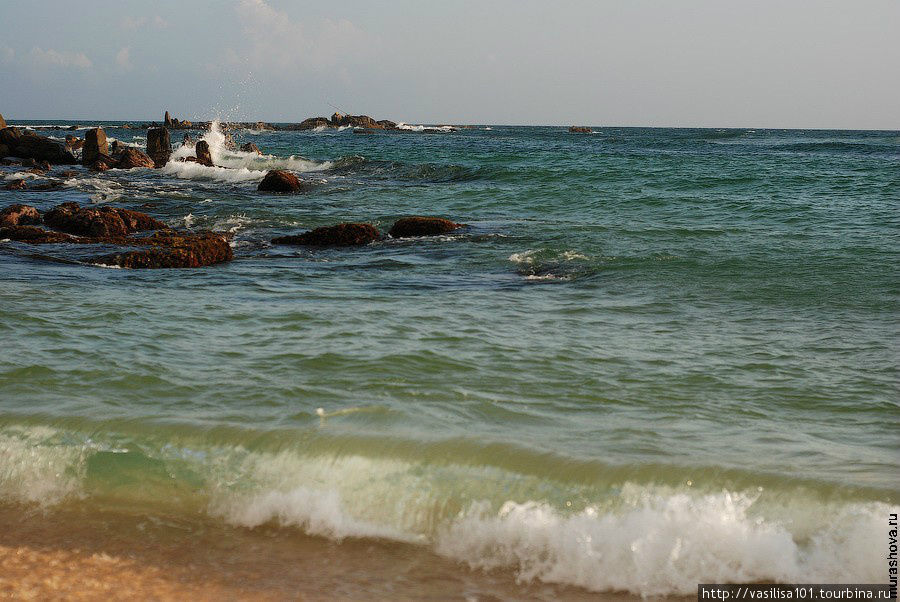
(70, 554)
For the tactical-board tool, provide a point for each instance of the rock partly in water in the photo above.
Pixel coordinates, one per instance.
(27, 144)
(251, 148)
(99, 222)
(204, 156)
(94, 146)
(68, 173)
(187, 140)
(580, 130)
(342, 235)
(19, 215)
(132, 157)
(159, 146)
(277, 180)
(313, 123)
(35, 235)
(18, 184)
(173, 250)
(73, 142)
(422, 226)
(2, 122)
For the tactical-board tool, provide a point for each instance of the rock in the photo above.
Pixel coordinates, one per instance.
(422, 226)
(103, 163)
(37, 171)
(16, 185)
(187, 141)
(387, 124)
(204, 157)
(313, 123)
(363, 131)
(4, 150)
(336, 118)
(33, 235)
(83, 221)
(185, 124)
(19, 215)
(2, 122)
(116, 148)
(51, 185)
(251, 148)
(136, 221)
(29, 145)
(73, 142)
(72, 128)
(167, 120)
(94, 146)
(159, 147)
(40, 166)
(69, 173)
(102, 222)
(341, 235)
(277, 180)
(132, 157)
(580, 130)
(173, 250)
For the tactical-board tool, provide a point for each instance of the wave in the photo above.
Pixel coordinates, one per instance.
(232, 165)
(426, 128)
(723, 134)
(648, 531)
(548, 264)
(834, 145)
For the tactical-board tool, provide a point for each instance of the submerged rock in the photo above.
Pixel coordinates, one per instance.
(19, 215)
(251, 148)
(132, 157)
(34, 235)
(277, 180)
(16, 185)
(580, 130)
(94, 146)
(422, 226)
(341, 235)
(173, 250)
(159, 146)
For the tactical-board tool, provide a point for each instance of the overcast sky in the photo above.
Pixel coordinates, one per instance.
(716, 63)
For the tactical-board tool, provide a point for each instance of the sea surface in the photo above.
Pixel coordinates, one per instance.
(653, 358)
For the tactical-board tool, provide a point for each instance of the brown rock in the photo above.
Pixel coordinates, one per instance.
(4, 150)
(19, 215)
(580, 130)
(251, 148)
(387, 124)
(187, 141)
(132, 157)
(33, 235)
(69, 173)
(73, 142)
(27, 144)
(204, 157)
(103, 163)
(422, 226)
(2, 122)
(341, 235)
(16, 185)
(84, 221)
(336, 118)
(173, 250)
(313, 123)
(277, 180)
(94, 146)
(159, 147)
(51, 185)
(167, 120)
(136, 221)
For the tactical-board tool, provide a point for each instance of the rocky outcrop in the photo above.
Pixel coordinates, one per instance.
(19, 215)
(342, 235)
(94, 146)
(167, 120)
(159, 146)
(277, 180)
(422, 226)
(102, 222)
(173, 250)
(4, 151)
(28, 144)
(313, 123)
(580, 130)
(204, 156)
(2, 122)
(103, 163)
(73, 142)
(35, 235)
(132, 157)
(18, 184)
(361, 121)
(387, 124)
(251, 148)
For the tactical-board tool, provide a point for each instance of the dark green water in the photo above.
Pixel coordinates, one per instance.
(656, 357)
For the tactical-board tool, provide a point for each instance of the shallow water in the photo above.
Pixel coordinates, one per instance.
(655, 357)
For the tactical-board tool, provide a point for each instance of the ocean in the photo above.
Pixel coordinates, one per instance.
(653, 358)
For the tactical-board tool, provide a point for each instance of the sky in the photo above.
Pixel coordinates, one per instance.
(684, 63)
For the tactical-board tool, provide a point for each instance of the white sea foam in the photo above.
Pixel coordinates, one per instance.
(422, 128)
(22, 175)
(641, 538)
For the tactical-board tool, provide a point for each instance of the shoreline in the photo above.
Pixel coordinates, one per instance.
(81, 553)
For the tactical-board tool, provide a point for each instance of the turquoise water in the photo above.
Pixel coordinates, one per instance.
(666, 349)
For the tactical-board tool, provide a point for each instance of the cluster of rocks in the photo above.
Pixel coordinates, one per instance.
(350, 234)
(70, 223)
(16, 142)
(580, 130)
